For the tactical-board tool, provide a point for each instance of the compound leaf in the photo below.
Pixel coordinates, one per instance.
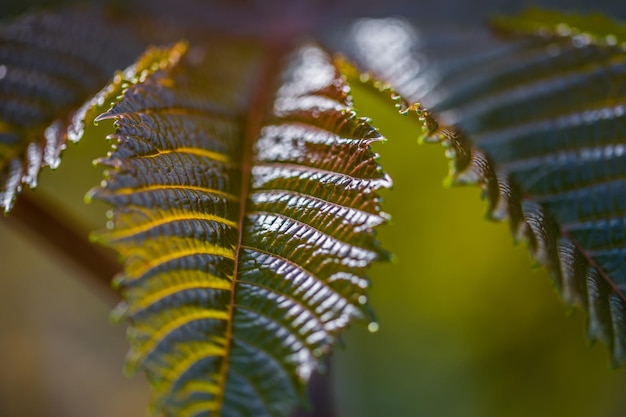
(536, 117)
(244, 194)
(49, 65)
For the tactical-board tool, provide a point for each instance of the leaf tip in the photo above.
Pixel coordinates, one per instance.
(118, 282)
(107, 115)
(89, 196)
(119, 313)
(94, 237)
(393, 258)
(130, 367)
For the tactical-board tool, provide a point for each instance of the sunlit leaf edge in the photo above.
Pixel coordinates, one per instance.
(361, 218)
(580, 282)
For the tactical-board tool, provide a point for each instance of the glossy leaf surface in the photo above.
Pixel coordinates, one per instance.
(245, 219)
(49, 65)
(536, 118)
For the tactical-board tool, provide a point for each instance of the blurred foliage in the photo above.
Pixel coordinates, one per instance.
(15, 7)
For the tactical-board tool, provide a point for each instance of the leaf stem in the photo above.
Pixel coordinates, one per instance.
(41, 218)
(320, 394)
(254, 119)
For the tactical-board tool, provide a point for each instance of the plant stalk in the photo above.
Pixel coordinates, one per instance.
(320, 394)
(40, 217)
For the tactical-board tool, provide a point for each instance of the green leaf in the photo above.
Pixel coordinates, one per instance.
(245, 219)
(592, 28)
(49, 65)
(537, 120)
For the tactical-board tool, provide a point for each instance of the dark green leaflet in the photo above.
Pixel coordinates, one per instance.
(49, 65)
(246, 226)
(539, 124)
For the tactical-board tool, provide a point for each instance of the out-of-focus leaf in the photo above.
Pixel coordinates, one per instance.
(538, 122)
(245, 201)
(49, 65)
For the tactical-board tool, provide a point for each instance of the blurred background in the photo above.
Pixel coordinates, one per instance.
(467, 326)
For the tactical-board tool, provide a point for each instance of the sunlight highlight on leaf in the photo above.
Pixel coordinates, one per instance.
(537, 121)
(245, 223)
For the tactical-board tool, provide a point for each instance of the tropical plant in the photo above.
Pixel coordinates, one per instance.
(245, 192)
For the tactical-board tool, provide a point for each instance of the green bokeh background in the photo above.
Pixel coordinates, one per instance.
(467, 326)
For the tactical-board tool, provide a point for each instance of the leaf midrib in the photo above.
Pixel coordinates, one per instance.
(262, 95)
